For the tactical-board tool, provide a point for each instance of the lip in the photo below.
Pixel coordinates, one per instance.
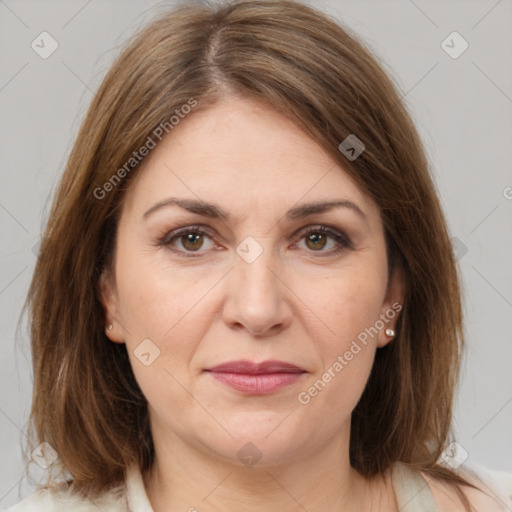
(248, 367)
(257, 378)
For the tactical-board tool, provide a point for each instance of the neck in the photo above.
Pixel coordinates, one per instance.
(185, 478)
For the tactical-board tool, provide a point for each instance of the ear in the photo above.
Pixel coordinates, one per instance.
(392, 305)
(109, 300)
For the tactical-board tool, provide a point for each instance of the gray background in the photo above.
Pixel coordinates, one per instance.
(462, 107)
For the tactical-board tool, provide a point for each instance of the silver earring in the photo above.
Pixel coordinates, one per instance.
(110, 327)
(390, 332)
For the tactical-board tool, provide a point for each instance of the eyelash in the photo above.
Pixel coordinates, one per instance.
(343, 242)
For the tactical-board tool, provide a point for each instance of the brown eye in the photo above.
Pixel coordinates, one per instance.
(192, 241)
(316, 241)
(188, 241)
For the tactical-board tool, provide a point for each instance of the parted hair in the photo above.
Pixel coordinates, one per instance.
(86, 402)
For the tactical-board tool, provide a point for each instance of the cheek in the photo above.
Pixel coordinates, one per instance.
(345, 343)
(346, 305)
(329, 398)
(172, 308)
(155, 296)
(334, 390)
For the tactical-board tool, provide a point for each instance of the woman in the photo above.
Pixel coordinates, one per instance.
(246, 296)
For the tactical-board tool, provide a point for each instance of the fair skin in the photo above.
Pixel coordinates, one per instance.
(297, 302)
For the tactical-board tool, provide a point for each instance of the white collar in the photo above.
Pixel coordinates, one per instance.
(136, 496)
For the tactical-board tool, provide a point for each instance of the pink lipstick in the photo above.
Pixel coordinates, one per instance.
(257, 378)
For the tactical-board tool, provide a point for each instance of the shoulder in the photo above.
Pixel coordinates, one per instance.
(488, 497)
(57, 499)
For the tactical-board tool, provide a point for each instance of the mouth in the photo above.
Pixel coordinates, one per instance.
(257, 378)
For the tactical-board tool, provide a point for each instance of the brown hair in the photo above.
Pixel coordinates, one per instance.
(86, 401)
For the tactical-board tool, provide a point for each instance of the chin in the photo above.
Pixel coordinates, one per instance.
(263, 440)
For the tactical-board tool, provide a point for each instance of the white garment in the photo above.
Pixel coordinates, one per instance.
(411, 489)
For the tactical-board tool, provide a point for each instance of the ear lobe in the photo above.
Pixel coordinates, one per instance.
(108, 298)
(392, 305)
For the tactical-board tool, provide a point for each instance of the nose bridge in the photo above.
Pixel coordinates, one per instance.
(255, 265)
(257, 298)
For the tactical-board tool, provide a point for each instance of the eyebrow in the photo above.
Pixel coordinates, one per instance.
(213, 211)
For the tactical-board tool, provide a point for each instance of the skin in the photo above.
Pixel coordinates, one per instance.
(297, 302)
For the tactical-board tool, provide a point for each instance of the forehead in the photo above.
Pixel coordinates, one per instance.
(244, 155)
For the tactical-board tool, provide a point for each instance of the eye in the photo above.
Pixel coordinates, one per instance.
(191, 239)
(317, 238)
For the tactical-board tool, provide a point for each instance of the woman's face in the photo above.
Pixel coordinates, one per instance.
(246, 282)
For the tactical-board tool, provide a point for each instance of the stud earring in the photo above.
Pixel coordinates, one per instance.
(110, 327)
(390, 332)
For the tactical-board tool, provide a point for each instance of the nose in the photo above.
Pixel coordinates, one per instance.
(258, 298)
